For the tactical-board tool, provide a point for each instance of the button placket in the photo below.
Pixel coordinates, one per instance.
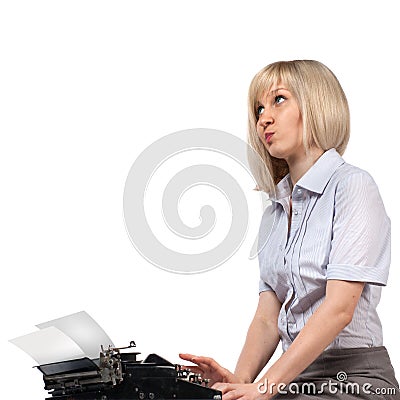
(298, 197)
(296, 215)
(297, 207)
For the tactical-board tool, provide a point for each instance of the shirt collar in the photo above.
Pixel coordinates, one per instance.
(315, 179)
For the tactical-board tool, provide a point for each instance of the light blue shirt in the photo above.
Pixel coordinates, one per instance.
(339, 230)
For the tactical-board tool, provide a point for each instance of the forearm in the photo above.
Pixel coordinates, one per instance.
(261, 342)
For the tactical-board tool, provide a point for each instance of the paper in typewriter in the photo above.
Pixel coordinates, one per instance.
(83, 330)
(49, 345)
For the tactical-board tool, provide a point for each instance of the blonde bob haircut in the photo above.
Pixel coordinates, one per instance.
(323, 107)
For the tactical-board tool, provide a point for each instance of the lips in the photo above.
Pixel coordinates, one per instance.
(268, 136)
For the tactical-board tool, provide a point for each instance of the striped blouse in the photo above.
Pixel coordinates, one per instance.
(339, 230)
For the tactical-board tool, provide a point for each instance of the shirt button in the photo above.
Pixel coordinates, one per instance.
(295, 212)
(299, 191)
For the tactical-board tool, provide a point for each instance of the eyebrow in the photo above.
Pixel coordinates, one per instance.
(275, 90)
(258, 103)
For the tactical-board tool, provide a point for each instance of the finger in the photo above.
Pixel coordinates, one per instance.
(187, 356)
(224, 387)
(206, 363)
(204, 367)
(191, 358)
(206, 360)
(232, 395)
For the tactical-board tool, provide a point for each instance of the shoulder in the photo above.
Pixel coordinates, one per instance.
(355, 188)
(350, 177)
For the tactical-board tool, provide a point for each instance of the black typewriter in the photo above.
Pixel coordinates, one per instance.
(118, 375)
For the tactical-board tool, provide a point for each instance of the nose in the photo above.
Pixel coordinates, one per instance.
(266, 118)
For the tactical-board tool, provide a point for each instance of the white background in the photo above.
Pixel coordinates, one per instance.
(86, 86)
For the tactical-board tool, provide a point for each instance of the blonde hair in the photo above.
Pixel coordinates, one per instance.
(322, 104)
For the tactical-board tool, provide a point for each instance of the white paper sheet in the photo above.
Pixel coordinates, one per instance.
(82, 329)
(49, 345)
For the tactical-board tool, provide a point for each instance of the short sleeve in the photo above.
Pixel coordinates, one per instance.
(360, 248)
(263, 287)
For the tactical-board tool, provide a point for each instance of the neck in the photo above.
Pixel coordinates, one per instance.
(299, 165)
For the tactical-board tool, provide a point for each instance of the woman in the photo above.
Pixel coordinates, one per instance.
(324, 262)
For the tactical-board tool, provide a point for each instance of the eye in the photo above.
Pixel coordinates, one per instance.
(279, 99)
(260, 110)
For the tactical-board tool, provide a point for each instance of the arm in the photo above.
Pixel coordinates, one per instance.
(323, 326)
(331, 317)
(262, 338)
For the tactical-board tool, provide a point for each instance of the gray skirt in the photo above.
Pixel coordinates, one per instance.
(348, 374)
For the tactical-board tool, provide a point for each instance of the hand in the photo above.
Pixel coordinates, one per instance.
(209, 369)
(242, 391)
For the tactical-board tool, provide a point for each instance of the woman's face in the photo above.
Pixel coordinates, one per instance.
(279, 125)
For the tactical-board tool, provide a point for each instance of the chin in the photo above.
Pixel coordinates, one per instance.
(276, 152)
